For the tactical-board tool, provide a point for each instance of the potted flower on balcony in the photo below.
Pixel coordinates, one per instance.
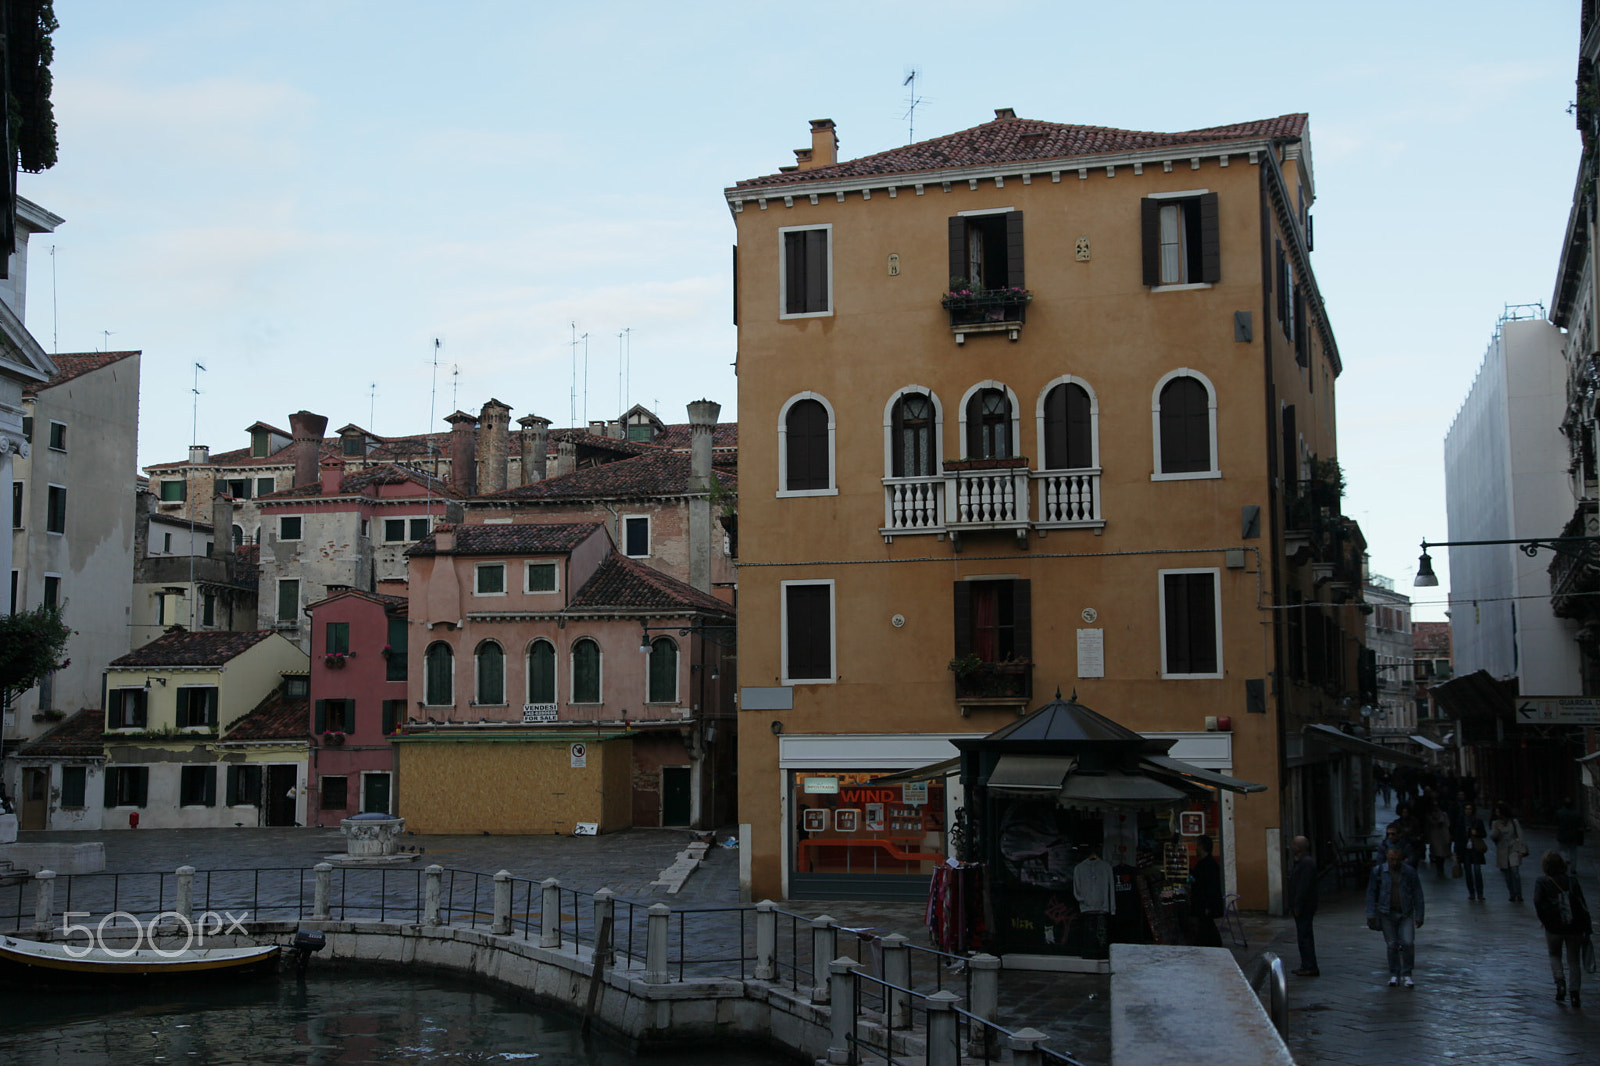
(387, 651)
(333, 738)
(972, 306)
(335, 660)
(978, 679)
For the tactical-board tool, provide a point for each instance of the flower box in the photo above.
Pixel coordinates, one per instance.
(986, 307)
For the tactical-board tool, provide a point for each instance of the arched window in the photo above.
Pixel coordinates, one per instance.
(989, 425)
(491, 674)
(541, 672)
(807, 459)
(1184, 429)
(238, 536)
(663, 671)
(1068, 428)
(586, 671)
(438, 664)
(911, 436)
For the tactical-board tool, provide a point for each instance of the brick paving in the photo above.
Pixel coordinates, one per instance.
(1484, 993)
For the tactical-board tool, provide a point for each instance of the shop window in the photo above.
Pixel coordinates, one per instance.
(808, 638)
(542, 672)
(805, 271)
(74, 786)
(244, 786)
(491, 669)
(1180, 238)
(197, 707)
(986, 250)
(1191, 624)
(335, 793)
(197, 786)
(438, 667)
(847, 825)
(586, 671)
(127, 786)
(663, 671)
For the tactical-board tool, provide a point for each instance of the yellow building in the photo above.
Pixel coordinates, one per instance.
(1024, 408)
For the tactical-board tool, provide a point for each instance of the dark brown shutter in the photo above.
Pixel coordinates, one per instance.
(1291, 447)
(794, 273)
(1022, 620)
(1281, 279)
(816, 295)
(975, 425)
(1210, 239)
(1057, 451)
(1079, 437)
(736, 284)
(958, 248)
(1202, 623)
(810, 639)
(806, 444)
(1185, 427)
(321, 718)
(1014, 250)
(141, 785)
(897, 439)
(1176, 623)
(112, 774)
(963, 615)
(1150, 239)
(1300, 354)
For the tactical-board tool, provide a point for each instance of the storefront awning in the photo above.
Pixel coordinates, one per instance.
(1431, 745)
(1355, 745)
(922, 773)
(1162, 764)
(1114, 789)
(1031, 774)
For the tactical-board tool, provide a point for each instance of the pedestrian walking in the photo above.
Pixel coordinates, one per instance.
(1206, 902)
(1569, 833)
(1472, 845)
(1395, 905)
(1509, 849)
(1558, 900)
(1303, 905)
(1438, 837)
(1394, 837)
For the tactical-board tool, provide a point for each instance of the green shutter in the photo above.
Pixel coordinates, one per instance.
(663, 671)
(963, 618)
(141, 785)
(322, 718)
(391, 714)
(211, 787)
(109, 800)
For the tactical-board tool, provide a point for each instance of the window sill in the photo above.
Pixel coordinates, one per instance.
(1197, 475)
(1182, 286)
(1191, 677)
(1012, 329)
(792, 681)
(785, 316)
(486, 595)
(784, 494)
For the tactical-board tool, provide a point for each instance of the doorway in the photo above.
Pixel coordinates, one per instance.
(35, 798)
(375, 793)
(675, 795)
(281, 794)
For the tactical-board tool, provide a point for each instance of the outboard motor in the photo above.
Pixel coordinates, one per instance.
(305, 942)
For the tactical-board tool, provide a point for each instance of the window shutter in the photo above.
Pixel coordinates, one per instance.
(1177, 624)
(806, 444)
(1014, 249)
(210, 798)
(794, 271)
(1202, 624)
(390, 714)
(963, 616)
(231, 795)
(1079, 429)
(321, 718)
(736, 284)
(816, 295)
(958, 248)
(810, 640)
(1281, 279)
(1185, 423)
(110, 798)
(1022, 620)
(1300, 347)
(141, 786)
(142, 702)
(1210, 239)
(1150, 239)
(1291, 448)
(211, 707)
(897, 438)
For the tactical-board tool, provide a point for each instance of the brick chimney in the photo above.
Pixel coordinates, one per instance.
(332, 475)
(463, 453)
(307, 429)
(535, 448)
(824, 149)
(222, 524)
(566, 457)
(702, 425)
(495, 422)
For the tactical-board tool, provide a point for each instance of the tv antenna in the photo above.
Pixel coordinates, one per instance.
(622, 358)
(455, 385)
(55, 309)
(912, 100)
(572, 391)
(194, 440)
(106, 342)
(372, 405)
(427, 434)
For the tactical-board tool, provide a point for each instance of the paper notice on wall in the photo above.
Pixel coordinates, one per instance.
(1121, 837)
(1091, 653)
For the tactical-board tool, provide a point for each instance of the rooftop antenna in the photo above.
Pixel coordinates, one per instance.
(620, 408)
(572, 391)
(106, 334)
(912, 100)
(455, 385)
(55, 316)
(372, 406)
(427, 433)
(194, 442)
(585, 380)
(627, 385)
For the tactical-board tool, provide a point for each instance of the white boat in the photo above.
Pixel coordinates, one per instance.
(31, 964)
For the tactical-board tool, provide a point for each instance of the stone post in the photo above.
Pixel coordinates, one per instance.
(185, 905)
(550, 913)
(502, 904)
(824, 946)
(983, 1000)
(432, 894)
(324, 889)
(766, 941)
(604, 908)
(896, 972)
(655, 951)
(45, 900)
(842, 1010)
(942, 1049)
(1024, 1045)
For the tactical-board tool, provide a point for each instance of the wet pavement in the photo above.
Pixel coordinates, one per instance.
(1484, 992)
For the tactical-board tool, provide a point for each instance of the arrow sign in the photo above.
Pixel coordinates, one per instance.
(1558, 710)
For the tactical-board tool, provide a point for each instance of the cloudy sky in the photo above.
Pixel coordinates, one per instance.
(303, 196)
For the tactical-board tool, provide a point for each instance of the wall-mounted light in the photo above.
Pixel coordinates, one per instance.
(158, 680)
(777, 728)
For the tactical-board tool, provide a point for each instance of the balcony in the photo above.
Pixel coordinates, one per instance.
(987, 494)
(991, 494)
(981, 684)
(986, 311)
(1574, 579)
(913, 505)
(1068, 498)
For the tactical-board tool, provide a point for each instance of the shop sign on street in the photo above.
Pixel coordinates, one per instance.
(1563, 710)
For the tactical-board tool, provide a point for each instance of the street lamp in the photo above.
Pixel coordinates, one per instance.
(1583, 549)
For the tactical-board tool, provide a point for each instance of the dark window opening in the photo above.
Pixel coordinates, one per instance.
(197, 786)
(586, 672)
(989, 425)
(1185, 427)
(542, 672)
(806, 447)
(58, 436)
(808, 613)
(1191, 623)
(805, 270)
(244, 786)
(74, 786)
(986, 251)
(197, 707)
(636, 537)
(55, 518)
(1180, 238)
(239, 488)
(127, 786)
(911, 431)
(289, 527)
(126, 708)
(1068, 430)
(663, 683)
(994, 620)
(335, 793)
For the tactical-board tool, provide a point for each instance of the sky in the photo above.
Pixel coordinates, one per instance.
(302, 197)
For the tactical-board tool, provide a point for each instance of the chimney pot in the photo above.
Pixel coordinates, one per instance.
(824, 148)
(307, 430)
(199, 453)
(1004, 112)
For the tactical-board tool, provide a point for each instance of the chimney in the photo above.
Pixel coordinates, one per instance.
(566, 457)
(1004, 112)
(444, 538)
(307, 429)
(702, 424)
(535, 448)
(824, 149)
(496, 430)
(199, 453)
(332, 475)
(463, 453)
(222, 524)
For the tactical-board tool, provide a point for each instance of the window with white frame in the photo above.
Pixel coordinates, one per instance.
(489, 579)
(1184, 424)
(1068, 425)
(541, 577)
(913, 433)
(805, 271)
(58, 436)
(805, 447)
(55, 513)
(808, 632)
(636, 536)
(289, 527)
(1180, 238)
(126, 708)
(1191, 623)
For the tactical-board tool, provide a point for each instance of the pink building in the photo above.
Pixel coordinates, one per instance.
(358, 699)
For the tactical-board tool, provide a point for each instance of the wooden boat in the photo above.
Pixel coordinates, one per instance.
(29, 964)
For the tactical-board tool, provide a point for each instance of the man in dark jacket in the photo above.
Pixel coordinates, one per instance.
(1206, 901)
(1303, 905)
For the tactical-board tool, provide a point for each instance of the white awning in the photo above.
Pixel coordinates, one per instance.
(1198, 775)
(1431, 745)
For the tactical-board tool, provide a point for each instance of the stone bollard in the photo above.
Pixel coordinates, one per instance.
(324, 890)
(604, 925)
(824, 946)
(185, 905)
(943, 1049)
(983, 1001)
(502, 904)
(766, 941)
(1024, 1045)
(842, 1010)
(432, 894)
(655, 949)
(896, 972)
(550, 913)
(45, 902)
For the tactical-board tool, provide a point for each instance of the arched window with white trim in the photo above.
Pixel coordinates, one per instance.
(989, 423)
(806, 447)
(1069, 417)
(913, 435)
(491, 669)
(586, 671)
(1184, 425)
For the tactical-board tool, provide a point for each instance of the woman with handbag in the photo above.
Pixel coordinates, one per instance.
(1472, 843)
(1558, 900)
(1509, 849)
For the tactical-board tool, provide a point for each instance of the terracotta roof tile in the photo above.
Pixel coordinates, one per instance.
(624, 582)
(76, 737)
(653, 474)
(71, 365)
(382, 599)
(357, 483)
(725, 435)
(193, 649)
(278, 717)
(511, 539)
(1022, 140)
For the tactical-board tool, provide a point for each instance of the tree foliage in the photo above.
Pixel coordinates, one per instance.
(29, 52)
(32, 644)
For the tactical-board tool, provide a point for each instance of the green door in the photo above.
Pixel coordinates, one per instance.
(375, 793)
(674, 795)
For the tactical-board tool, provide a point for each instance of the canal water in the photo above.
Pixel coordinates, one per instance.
(346, 1018)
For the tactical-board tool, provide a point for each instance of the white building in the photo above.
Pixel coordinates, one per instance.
(1506, 478)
